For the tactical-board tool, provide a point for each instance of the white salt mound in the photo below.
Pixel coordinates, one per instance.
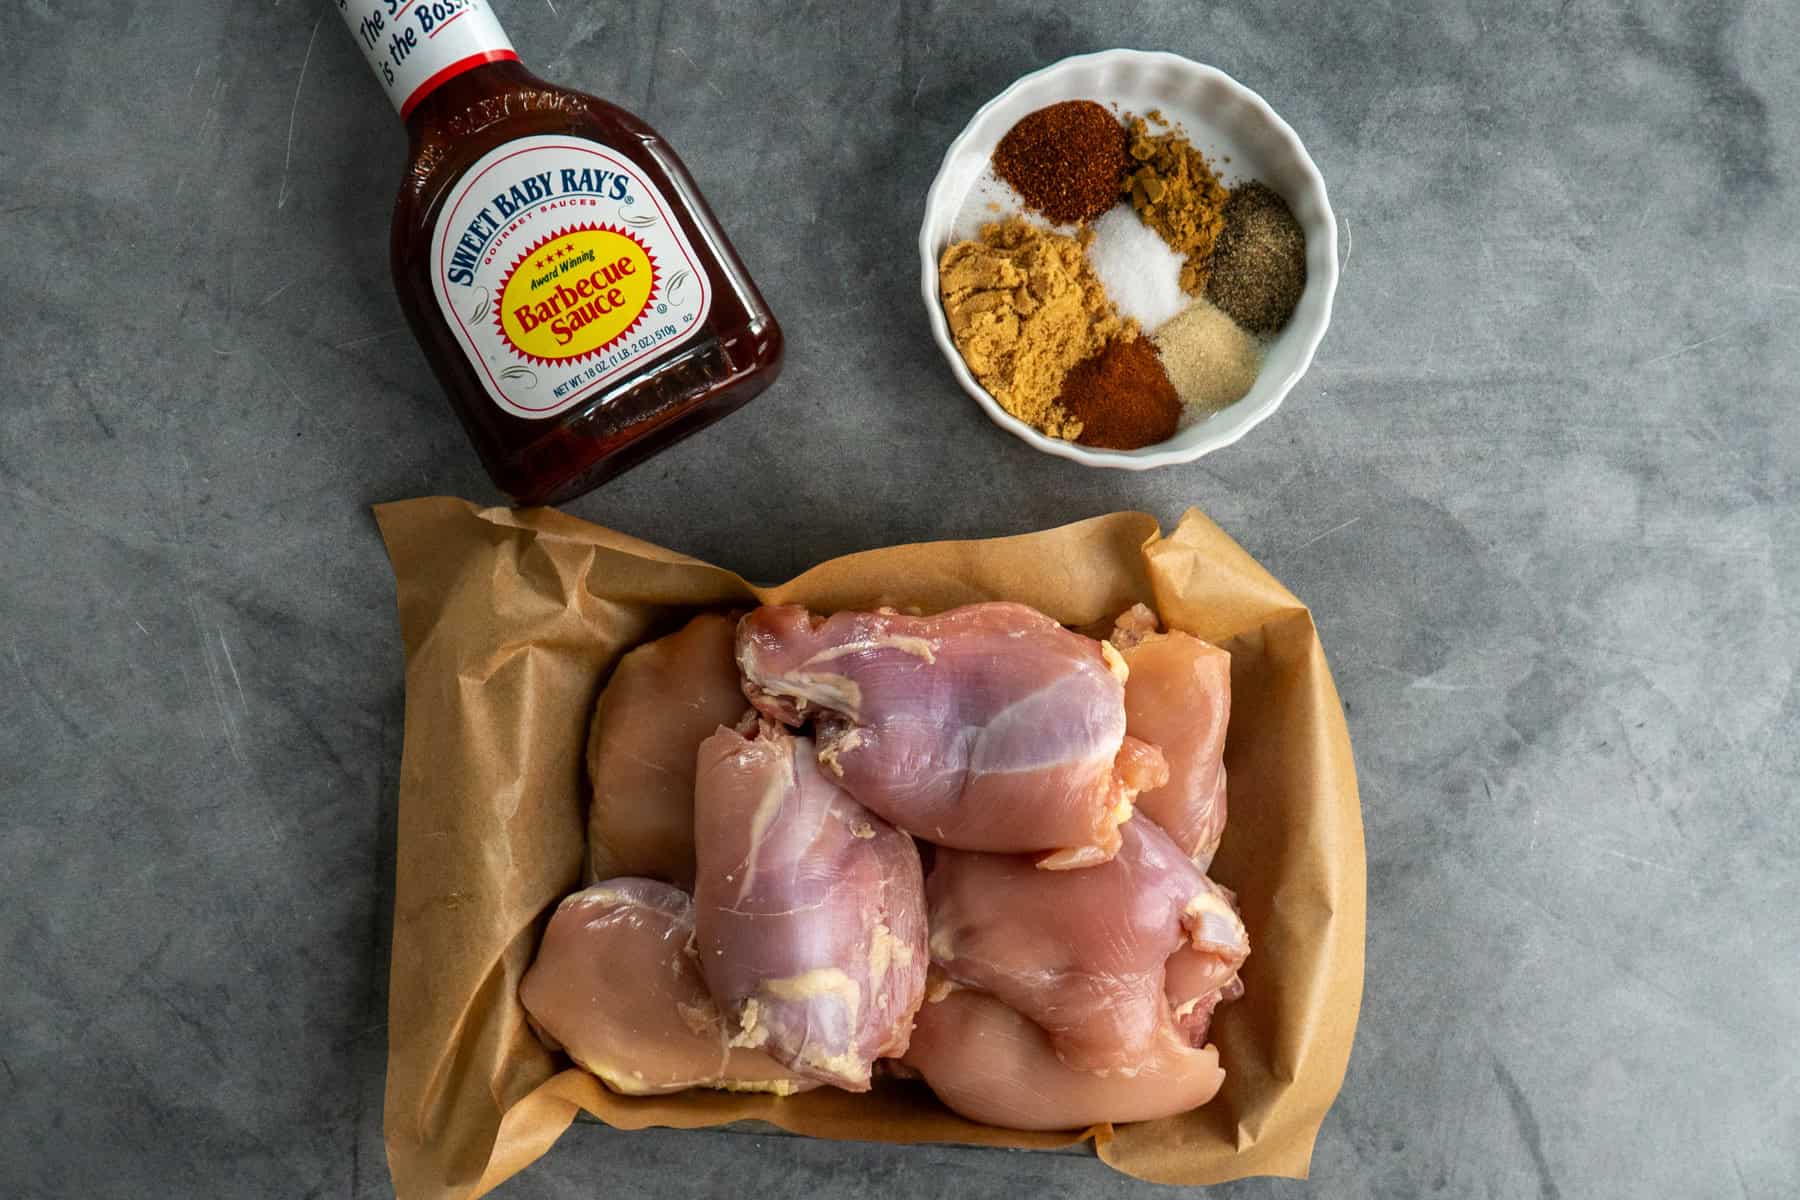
(1139, 271)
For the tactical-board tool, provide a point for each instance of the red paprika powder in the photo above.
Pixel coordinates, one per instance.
(1122, 397)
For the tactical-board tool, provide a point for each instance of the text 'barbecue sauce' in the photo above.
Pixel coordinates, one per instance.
(571, 288)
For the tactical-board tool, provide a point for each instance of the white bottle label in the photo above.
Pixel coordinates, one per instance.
(414, 45)
(560, 268)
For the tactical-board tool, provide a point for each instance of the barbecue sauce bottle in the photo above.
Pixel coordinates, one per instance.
(569, 285)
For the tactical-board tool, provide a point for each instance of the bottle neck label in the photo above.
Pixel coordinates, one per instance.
(415, 45)
(562, 271)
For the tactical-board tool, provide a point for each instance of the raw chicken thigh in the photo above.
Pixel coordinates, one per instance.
(1196, 984)
(613, 984)
(988, 727)
(664, 699)
(1006, 744)
(989, 1064)
(1083, 953)
(1178, 697)
(810, 924)
(1203, 973)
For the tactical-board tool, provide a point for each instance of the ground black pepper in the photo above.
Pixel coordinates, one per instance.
(1259, 262)
(1067, 161)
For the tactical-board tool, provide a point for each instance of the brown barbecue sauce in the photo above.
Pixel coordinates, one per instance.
(568, 283)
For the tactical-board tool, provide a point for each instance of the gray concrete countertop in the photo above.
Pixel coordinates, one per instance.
(1539, 489)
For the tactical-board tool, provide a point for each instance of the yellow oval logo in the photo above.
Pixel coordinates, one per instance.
(575, 293)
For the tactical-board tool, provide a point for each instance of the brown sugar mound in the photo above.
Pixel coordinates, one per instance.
(1024, 307)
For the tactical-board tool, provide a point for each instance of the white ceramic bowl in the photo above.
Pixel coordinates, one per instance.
(1224, 119)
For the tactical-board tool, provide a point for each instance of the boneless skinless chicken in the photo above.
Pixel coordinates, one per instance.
(1178, 697)
(663, 700)
(615, 986)
(1058, 998)
(988, 727)
(1086, 954)
(810, 916)
(989, 1064)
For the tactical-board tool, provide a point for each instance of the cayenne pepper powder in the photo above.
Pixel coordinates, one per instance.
(1122, 397)
(1068, 161)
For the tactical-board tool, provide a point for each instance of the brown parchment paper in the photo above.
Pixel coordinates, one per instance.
(511, 622)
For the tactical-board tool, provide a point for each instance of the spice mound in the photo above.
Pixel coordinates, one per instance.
(1141, 273)
(1122, 397)
(1066, 161)
(1049, 321)
(1210, 360)
(1177, 194)
(1259, 264)
(1024, 307)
